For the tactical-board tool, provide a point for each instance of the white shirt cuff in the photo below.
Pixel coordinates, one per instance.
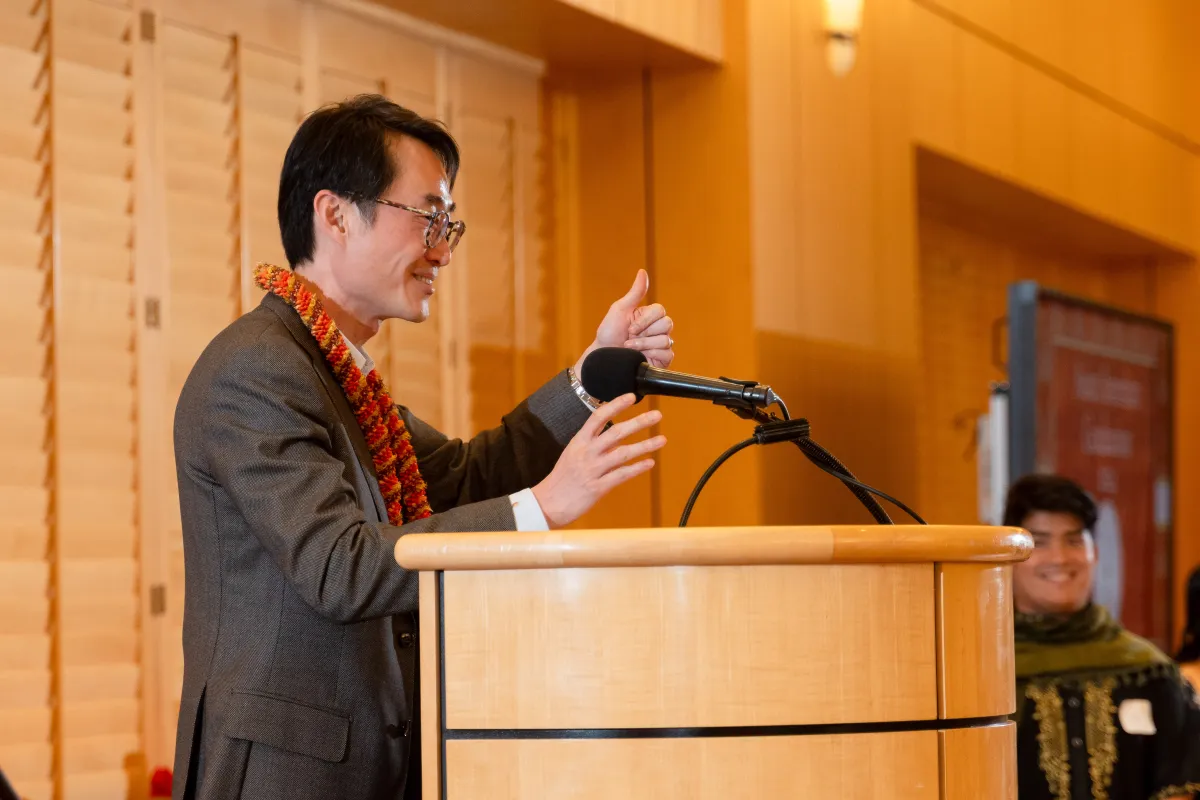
(528, 513)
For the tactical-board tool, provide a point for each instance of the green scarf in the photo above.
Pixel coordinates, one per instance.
(1086, 644)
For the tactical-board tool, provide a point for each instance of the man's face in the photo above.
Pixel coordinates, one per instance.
(388, 272)
(1057, 577)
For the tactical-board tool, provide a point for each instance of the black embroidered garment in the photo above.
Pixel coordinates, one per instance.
(1101, 714)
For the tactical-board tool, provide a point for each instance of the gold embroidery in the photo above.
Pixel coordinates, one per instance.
(1169, 792)
(1101, 735)
(1052, 739)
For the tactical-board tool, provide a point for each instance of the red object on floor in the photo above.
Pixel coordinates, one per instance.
(160, 783)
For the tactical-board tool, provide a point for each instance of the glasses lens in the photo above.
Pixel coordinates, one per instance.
(437, 229)
(455, 235)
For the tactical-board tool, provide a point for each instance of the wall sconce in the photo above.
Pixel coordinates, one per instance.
(843, 19)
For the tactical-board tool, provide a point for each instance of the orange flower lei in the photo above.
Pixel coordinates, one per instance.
(388, 439)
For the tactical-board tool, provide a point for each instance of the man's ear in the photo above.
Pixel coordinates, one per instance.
(329, 215)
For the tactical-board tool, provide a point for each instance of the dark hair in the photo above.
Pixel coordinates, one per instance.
(343, 147)
(1048, 493)
(1190, 651)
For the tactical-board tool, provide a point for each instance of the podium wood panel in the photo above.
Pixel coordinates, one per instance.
(431, 687)
(979, 763)
(975, 621)
(689, 646)
(898, 766)
(822, 662)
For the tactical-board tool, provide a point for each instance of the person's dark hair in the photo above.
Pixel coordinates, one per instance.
(343, 147)
(1048, 493)
(1190, 651)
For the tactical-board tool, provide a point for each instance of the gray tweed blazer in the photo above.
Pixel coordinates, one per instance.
(298, 625)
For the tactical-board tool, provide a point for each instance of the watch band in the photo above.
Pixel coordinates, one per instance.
(580, 392)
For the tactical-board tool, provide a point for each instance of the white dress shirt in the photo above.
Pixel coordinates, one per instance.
(525, 506)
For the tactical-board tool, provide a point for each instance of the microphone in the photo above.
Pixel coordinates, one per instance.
(609, 372)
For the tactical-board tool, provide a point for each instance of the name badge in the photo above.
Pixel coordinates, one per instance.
(1137, 717)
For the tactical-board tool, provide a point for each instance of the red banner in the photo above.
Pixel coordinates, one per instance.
(1103, 419)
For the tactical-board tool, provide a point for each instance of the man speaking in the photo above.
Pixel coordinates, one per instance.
(298, 472)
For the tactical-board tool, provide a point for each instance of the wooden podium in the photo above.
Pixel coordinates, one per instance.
(769, 662)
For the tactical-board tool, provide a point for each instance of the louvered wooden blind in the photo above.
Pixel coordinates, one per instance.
(94, 563)
(496, 119)
(26, 404)
(139, 168)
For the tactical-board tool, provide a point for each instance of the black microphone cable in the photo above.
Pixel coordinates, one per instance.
(771, 430)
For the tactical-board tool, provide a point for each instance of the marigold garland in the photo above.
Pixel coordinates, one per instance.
(388, 439)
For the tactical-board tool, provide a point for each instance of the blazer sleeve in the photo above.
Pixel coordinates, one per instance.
(517, 454)
(266, 438)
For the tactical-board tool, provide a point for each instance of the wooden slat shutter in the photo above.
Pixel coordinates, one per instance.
(94, 380)
(26, 677)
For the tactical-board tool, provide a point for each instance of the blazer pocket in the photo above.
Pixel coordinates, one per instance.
(289, 725)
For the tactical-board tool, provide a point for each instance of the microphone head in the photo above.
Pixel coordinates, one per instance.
(609, 372)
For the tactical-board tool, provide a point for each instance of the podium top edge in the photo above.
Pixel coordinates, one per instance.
(729, 546)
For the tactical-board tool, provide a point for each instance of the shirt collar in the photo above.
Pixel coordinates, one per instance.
(361, 359)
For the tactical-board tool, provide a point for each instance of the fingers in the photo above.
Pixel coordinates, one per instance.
(659, 358)
(661, 326)
(644, 317)
(660, 342)
(601, 416)
(627, 428)
(622, 474)
(641, 284)
(628, 452)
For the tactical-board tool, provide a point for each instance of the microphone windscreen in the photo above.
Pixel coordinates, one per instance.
(609, 372)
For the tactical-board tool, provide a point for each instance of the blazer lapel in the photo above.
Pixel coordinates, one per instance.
(302, 335)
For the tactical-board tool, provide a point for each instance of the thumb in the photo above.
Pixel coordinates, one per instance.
(641, 284)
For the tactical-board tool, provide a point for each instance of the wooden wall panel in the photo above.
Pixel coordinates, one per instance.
(702, 251)
(1097, 121)
(25, 410)
(988, 95)
(1043, 133)
(593, 169)
(1141, 55)
(831, 253)
(965, 275)
(692, 25)
(935, 114)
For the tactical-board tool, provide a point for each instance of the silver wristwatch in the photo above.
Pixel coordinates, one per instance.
(580, 392)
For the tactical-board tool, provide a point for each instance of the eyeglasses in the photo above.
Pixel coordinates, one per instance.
(439, 228)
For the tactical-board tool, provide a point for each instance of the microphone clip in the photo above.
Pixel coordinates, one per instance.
(782, 430)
